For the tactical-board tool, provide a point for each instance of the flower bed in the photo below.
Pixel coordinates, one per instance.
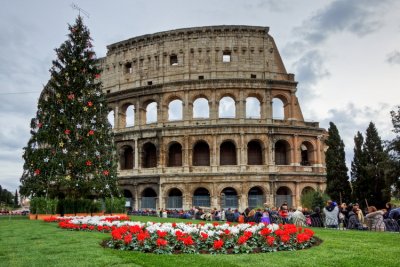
(166, 238)
(215, 238)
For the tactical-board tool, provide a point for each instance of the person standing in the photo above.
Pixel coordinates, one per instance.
(331, 212)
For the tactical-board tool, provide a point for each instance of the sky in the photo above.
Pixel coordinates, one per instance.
(345, 55)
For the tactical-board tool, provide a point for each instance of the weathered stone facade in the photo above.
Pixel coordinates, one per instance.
(194, 124)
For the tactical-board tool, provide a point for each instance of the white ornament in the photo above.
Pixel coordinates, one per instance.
(78, 126)
(65, 151)
(46, 159)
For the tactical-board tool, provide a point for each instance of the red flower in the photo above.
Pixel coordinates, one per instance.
(128, 239)
(285, 238)
(218, 244)
(116, 234)
(161, 234)
(142, 236)
(88, 163)
(174, 224)
(135, 229)
(106, 172)
(270, 240)
(161, 242)
(248, 234)
(242, 239)
(301, 238)
(204, 235)
(188, 241)
(67, 131)
(265, 231)
(90, 103)
(227, 232)
(309, 232)
(91, 132)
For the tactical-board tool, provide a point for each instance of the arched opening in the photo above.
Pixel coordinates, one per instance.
(148, 200)
(126, 158)
(253, 108)
(307, 189)
(254, 153)
(282, 153)
(175, 110)
(307, 152)
(111, 118)
(201, 197)
(201, 154)
(227, 153)
(227, 108)
(229, 198)
(201, 109)
(149, 159)
(128, 199)
(175, 155)
(151, 113)
(255, 197)
(283, 194)
(130, 116)
(174, 200)
(278, 109)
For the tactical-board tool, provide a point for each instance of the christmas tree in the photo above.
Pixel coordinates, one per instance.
(71, 153)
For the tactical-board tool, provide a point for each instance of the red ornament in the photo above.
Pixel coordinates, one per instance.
(106, 172)
(91, 132)
(71, 96)
(37, 172)
(97, 76)
(67, 131)
(88, 163)
(39, 125)
(90, 103)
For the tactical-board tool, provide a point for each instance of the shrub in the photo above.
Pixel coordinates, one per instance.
(313, 199)
(115, 205)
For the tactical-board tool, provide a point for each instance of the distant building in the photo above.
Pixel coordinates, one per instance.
(195, 123)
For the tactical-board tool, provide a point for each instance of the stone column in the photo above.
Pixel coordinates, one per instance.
(296, 161)
(136, 166)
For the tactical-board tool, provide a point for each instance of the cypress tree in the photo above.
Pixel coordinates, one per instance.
(337, 179)
(377, 191)
(16, 202)
(70, 152)
(358, 176)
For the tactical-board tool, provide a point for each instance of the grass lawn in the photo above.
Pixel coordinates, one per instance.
(36, 243)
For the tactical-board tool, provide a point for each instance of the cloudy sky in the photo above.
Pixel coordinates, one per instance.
(345, 54)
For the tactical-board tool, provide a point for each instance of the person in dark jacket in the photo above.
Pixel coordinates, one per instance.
(316, 218)
(353, 222)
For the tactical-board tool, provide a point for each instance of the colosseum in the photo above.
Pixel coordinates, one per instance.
(208, 116)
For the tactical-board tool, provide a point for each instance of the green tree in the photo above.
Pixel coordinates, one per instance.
(16, 202)
(376, 159)
(337, 179)
(70, 152)
(358, 176)
(393, 177)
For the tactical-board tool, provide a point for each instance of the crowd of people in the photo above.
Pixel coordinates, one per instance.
(333, 216)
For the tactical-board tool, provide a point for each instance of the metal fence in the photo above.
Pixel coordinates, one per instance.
(174, 202)
(148, 203)
(201, 201)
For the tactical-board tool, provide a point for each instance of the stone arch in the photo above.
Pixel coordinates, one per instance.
(111, 118)
(227, 107)
(255, 197)
(282, 152)
(255, 153)
(151, 112)
(307, 189)
(229, 198)
(253, 108)
(126, 157)
(127, 115)
(280, 107)
(149, 155)
(307, 154)
(201, 153)
(174, 154)
(128, 198)
(201, 197)
(201, 108)
(148, 198)
(174, 198)
(283, 194)
(175, 110)
(227, 153)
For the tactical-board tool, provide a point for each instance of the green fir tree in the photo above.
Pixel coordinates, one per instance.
(71, 153)
(337, 179)
(358, 176)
